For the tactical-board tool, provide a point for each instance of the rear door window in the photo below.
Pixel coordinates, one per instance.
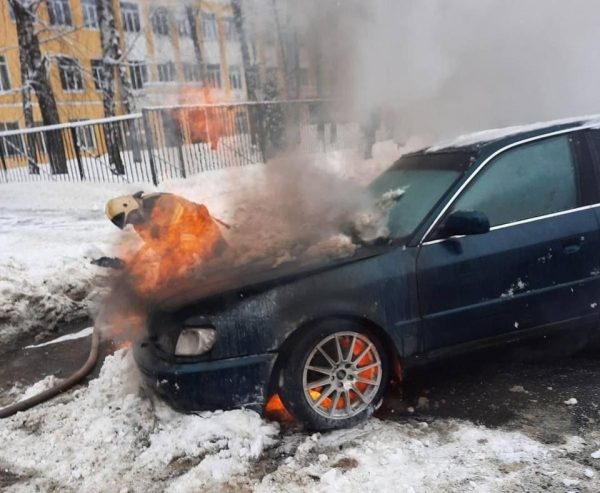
(528, 181)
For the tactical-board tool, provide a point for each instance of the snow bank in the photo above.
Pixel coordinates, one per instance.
(110, 435)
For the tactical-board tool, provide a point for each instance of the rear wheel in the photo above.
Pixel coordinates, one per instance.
(335, 375)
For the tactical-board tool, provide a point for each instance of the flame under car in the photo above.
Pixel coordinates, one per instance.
(496, 239)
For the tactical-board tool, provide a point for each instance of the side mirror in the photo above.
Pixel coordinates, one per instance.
(464, 223)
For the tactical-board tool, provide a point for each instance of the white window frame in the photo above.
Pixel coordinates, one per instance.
(4, 75)
(167, 72)
(13, 146)
(212, 75)
(74, 65)
(235, 77)
(130, 17)
(138, 70)
(89, 11)
(209, 26)
(59, 12)
(161, 25)
(85, 136)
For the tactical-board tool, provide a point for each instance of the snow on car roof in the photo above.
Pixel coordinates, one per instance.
(499, 133)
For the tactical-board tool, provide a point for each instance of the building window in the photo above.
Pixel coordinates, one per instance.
(235, 77)
(166, 72)
(160, 21)
(184, 28)
(213, 75)
(97, 74)
(139, 74)
(230, 29)
(59, 12)
(209, 27)
(192, 72)
(85, 136)
(13, 145)
(130, 16)
(4, 79)
(70, 74)
(89, 9)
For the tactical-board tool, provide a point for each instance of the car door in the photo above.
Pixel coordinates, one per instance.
(533, 268)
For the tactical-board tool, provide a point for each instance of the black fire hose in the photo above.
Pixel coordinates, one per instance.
(60, 387)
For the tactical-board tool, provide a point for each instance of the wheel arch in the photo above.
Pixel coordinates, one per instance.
(289, 343)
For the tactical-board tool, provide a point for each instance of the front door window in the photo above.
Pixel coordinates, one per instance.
(528, 181)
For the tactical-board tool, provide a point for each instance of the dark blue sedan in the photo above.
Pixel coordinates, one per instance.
(496, 239)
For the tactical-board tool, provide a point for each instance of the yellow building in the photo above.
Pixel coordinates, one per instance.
(162, 61)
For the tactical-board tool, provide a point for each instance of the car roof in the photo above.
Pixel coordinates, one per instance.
(500, 137)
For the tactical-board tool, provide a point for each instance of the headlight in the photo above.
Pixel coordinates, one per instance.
(192, 342)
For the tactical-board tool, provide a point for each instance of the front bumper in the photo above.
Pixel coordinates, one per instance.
(222, 384)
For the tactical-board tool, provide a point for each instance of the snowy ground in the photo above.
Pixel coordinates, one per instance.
(112, 436)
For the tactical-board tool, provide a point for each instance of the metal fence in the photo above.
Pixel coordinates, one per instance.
(172, 142)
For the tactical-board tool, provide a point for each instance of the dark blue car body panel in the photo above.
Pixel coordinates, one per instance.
(424, 297)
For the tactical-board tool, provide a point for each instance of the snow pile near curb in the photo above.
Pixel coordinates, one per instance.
(111, 435)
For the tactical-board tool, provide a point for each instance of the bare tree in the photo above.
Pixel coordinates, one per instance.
(35, 77)
(111, 58)
(250, 71)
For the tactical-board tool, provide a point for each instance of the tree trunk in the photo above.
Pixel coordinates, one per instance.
(29, 123)
(251, 75)
(31, 58)
(109, 38)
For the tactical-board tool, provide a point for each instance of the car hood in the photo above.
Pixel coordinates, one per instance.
(256, 275)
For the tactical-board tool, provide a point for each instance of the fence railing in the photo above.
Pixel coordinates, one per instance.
(162, 143)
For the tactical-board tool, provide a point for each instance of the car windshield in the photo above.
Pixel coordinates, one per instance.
(424, 178)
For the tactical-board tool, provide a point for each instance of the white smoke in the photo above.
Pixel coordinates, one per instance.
(449, 67)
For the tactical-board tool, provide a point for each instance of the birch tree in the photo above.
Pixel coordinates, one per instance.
(111, 58)
(34, 73)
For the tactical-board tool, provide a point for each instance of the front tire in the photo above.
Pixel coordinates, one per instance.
(335, 376)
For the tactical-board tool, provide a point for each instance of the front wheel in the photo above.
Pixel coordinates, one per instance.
(335, 375)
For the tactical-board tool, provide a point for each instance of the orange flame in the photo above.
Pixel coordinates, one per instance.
(203, 125)
(178, 236)
(276, 409)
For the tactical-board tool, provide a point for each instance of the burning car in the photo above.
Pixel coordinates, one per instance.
(495, 238)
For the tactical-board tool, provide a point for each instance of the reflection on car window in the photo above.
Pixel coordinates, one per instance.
(425, 177)
(526, 182)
